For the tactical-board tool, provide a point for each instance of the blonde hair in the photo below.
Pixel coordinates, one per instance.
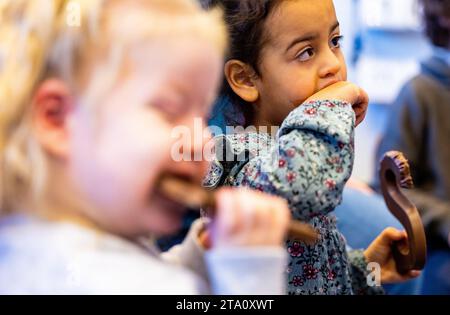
(55, 38)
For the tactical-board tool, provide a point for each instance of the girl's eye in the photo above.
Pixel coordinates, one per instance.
(306, 54)
(336, 41)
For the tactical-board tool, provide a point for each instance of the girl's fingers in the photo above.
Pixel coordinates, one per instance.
(282, 216)
(360, 106)
(249, 215)
(405, 277)
(249, 218)
(363, 98)
(268, 219)
(226, 221)
(391, 234)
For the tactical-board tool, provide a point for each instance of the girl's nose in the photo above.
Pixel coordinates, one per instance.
(190, 149)
(331, 65)
(190, 137)
(197, 139)
(200, 137)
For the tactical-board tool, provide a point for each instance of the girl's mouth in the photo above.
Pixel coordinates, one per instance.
(173, 194)
(186, 192)
(167, 204)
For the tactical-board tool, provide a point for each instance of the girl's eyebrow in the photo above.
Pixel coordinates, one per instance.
(309, 37)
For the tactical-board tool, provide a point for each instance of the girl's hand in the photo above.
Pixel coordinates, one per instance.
(345, 91)
(247, 218)
(380, 252)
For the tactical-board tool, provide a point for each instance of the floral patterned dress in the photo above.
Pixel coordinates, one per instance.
(308, 164)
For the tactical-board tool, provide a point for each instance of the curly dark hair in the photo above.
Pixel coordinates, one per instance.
(436, 15)
(247, 36)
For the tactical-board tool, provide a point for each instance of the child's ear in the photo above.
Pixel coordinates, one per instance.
(240, 77)
(51, 105)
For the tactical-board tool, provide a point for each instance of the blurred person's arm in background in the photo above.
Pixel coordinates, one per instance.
(435, 212)
(407, 130)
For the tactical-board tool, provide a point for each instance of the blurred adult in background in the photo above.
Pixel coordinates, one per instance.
(419, 126)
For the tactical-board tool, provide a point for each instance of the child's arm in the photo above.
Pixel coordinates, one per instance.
(313, 157)
(311, 161)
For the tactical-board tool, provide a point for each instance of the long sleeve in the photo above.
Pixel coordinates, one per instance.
(311, 160)
(360, 273)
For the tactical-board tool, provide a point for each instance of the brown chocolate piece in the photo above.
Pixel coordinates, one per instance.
(194, 196)
(395, 174)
